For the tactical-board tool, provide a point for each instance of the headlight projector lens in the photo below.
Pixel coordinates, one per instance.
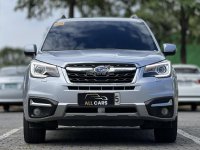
(161, 69)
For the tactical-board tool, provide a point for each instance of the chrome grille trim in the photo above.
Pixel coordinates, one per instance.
(75, 69)
(112, 69)
(117, 73)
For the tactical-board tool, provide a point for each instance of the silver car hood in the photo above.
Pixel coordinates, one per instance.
(62, 58)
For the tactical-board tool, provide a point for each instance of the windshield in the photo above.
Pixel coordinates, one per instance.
(80, 35)
(187, 70)
(12, 71)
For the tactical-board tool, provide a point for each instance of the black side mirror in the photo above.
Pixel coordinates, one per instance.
(30, 50)
(169, 49)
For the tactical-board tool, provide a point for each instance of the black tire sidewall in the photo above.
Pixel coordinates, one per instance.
(166, 134)
(33, 135)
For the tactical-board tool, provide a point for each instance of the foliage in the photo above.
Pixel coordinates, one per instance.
(172, 16)
(10, 56)
(192, 58)
(159, 20)
(43, 8)
(174, 21)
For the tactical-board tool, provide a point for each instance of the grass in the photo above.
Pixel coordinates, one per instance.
(193, 55)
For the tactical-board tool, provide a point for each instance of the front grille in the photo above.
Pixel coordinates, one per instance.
(93, 88)
(110, 109)
(78, 73)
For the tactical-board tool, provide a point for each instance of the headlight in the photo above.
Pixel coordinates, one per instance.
(43, 70)
(161, 69)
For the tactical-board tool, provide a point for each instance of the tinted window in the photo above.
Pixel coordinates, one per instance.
(12, 71)
(79, 35)
(187, 70)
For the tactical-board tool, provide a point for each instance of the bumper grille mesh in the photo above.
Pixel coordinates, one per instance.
(91, 88)
(111, 109)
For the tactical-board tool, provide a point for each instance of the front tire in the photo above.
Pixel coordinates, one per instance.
(167, 135)
(6, 108)
(33, 135)
(194, 107)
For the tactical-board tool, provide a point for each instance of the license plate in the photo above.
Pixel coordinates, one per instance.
(98, 99)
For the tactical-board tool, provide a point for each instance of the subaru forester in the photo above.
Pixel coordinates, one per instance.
(100, 72)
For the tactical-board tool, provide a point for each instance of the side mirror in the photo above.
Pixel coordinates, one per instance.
(30, 50)
(169, 49)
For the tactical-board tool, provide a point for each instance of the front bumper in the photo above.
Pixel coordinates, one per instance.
(11, 96)
(57, 89)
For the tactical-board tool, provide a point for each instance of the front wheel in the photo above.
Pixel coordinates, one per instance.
(166, 134)
(194, 107)
(33, 135)
(6, 107)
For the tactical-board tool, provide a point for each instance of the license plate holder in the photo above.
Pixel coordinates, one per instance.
(98, 99)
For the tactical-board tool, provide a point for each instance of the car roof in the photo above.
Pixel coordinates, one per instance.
(101, 19)
(185, 66)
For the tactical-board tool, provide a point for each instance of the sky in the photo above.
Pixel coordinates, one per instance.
(18, 31)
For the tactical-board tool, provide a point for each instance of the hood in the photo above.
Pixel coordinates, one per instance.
(62, 58)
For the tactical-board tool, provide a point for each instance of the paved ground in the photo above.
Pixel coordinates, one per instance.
(11, 137)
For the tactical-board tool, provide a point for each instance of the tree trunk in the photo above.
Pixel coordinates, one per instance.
(72, 4)
(184, 21)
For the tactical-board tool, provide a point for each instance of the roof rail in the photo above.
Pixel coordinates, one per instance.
(63, 17)
(134, 16)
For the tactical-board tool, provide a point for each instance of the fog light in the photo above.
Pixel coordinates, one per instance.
(40, 107)
(37, 112)
(162, 107)
(164, 111)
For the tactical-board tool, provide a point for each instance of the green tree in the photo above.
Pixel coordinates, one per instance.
(176, 15)
(155, 15)
(165, 17)
(43, 8)
(187, 10)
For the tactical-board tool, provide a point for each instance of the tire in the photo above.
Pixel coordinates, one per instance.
(166, 135)
(6, 108)
(33, 135)
(193, 107)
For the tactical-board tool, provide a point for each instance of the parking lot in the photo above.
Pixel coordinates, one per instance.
(11, 136)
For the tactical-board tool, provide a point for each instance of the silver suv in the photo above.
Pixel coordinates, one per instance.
(100, 72)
